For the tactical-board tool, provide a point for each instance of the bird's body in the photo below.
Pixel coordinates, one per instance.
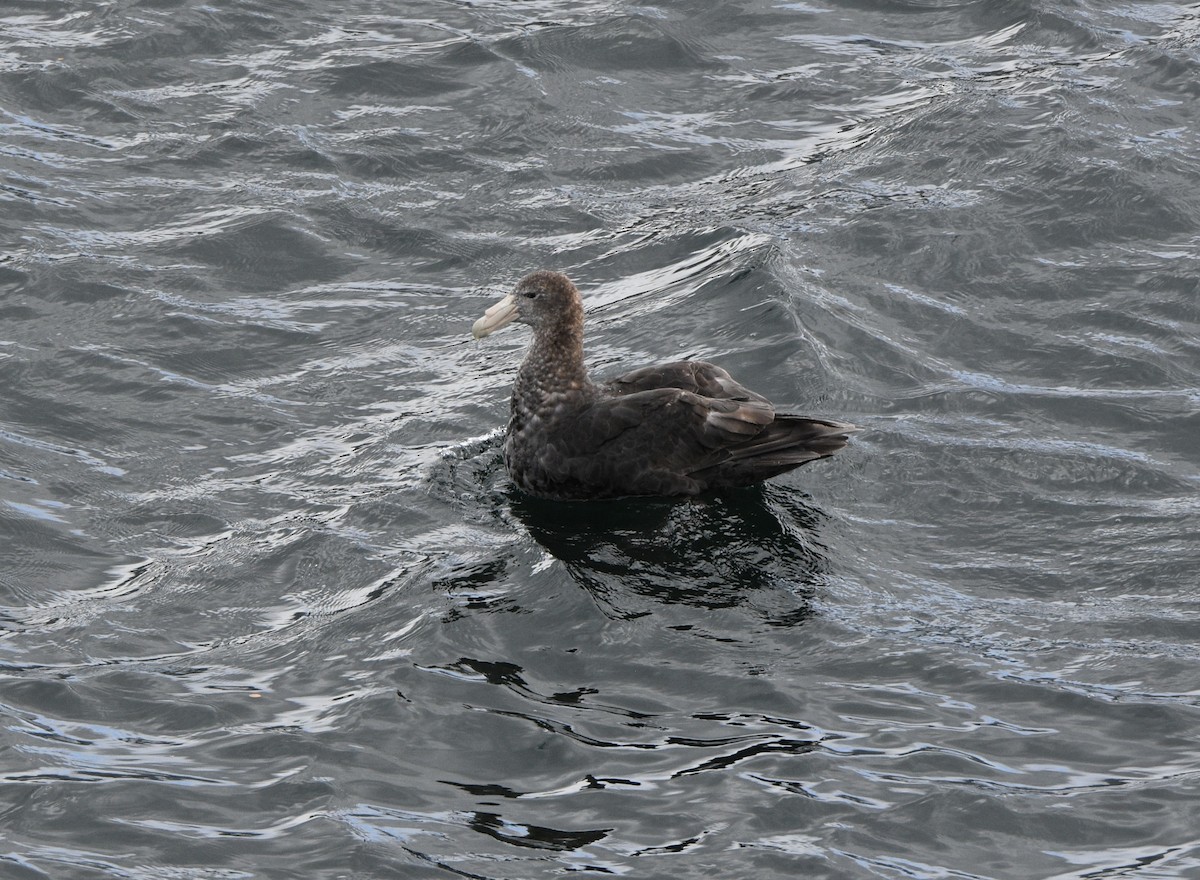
(674, 429)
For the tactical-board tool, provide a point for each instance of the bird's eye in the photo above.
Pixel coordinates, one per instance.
(529, 294)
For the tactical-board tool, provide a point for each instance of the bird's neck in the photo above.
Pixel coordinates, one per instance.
(553, 365)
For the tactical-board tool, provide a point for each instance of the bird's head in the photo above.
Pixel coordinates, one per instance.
(541, 299)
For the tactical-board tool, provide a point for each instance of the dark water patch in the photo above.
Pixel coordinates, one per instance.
(264, 254)
(395, 79)
(610, 44)
(611, 552)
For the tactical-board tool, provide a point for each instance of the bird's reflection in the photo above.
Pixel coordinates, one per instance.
(716, 551)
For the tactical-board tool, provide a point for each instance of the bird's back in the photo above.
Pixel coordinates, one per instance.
(671, 429)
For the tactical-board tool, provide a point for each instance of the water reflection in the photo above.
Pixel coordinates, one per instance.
(536, 836)
(715, 551)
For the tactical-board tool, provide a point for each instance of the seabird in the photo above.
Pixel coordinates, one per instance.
(680, 428)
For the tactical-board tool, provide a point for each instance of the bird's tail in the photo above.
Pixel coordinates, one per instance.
(786, 443)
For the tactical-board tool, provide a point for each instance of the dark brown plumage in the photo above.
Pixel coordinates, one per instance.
(675, 429)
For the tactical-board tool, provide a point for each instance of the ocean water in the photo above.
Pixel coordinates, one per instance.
(269, 607)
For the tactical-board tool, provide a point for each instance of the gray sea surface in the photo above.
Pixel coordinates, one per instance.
(269, 606)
